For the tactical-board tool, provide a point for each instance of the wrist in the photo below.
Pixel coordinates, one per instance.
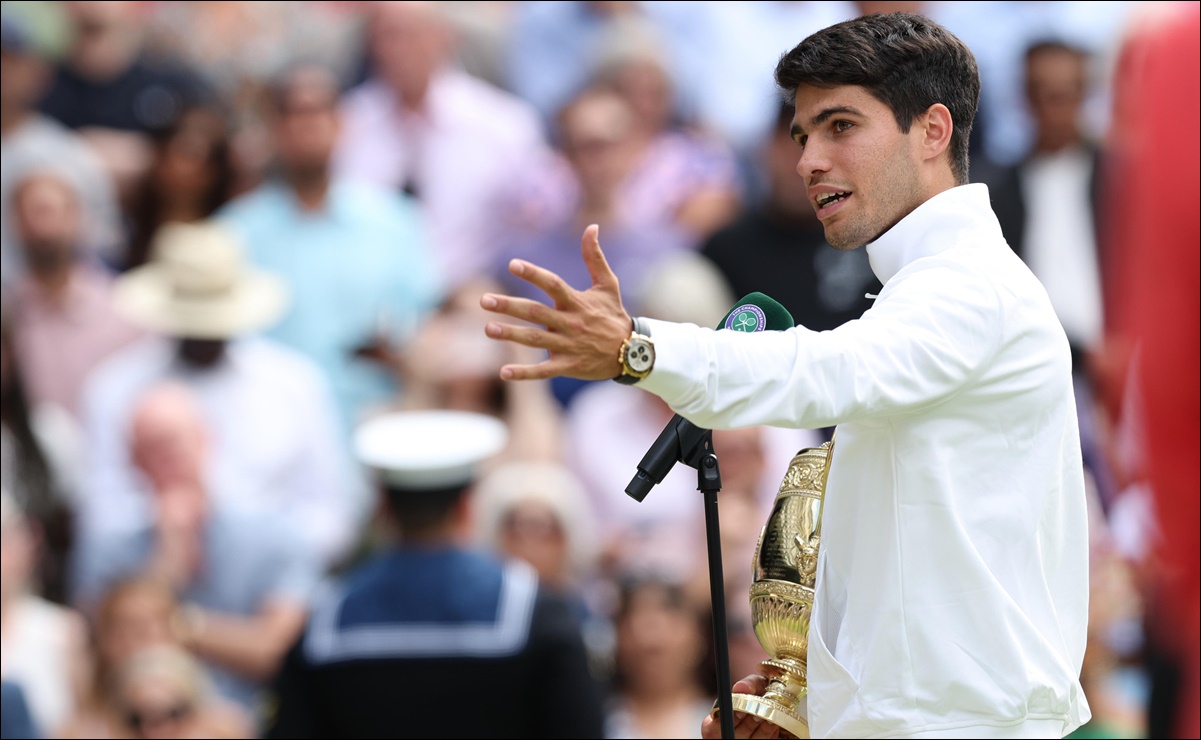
(636, 357)
(188, 624)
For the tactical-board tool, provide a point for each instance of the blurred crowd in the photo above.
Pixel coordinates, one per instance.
(232, 231)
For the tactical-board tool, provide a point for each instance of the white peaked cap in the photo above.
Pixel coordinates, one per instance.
(429, 450)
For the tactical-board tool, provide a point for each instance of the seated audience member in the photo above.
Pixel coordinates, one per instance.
(275, 432)
(43, 647)
(413, 126)
(660, 684)
(67, 324)
(353, 255)
(243, 576)
(32, 141)
(163, 692)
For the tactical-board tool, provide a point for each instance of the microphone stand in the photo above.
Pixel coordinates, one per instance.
(708, 475)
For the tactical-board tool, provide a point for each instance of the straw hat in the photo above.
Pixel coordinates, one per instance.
(199, 286)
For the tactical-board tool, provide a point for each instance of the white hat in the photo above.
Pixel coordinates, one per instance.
(198, 286)
(429, 450)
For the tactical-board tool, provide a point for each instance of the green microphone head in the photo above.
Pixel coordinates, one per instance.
(757, 312)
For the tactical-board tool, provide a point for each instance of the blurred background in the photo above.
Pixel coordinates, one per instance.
(233, 230)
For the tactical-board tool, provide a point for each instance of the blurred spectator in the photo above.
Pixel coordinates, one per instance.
(451, 364)
(111, 92)
(597, 136)
(1154, 227)
(276, 442)
(190, 176)
(778, 246)
(67, 322)
(43, 646)
(429, 614)
(1047, 203)
(243, 577)
(139, 615)
(354, 256)
(660, 686)
(40, 452)
(30, 140)
(16, 721)
(415, 126)
(162, 692)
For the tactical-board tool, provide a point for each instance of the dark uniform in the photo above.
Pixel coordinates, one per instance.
(438, 642)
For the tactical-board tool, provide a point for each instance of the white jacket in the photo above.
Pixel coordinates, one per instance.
(952, 588)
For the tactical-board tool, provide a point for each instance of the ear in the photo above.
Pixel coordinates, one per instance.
(936, 127)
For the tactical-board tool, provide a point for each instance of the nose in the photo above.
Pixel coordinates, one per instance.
(813, 161)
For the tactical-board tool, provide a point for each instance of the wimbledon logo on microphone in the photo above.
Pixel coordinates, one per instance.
(748, 318)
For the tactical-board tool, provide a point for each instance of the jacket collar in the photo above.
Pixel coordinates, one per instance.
(933, 227)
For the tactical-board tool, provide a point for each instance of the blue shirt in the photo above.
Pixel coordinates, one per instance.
(355, 268)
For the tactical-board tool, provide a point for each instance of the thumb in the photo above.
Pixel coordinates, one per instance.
(594, 259)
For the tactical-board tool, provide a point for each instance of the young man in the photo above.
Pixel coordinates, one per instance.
(951, 596)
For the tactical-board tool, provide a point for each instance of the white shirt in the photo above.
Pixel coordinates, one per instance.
(462, 153)
(952, 589)
(276, 442)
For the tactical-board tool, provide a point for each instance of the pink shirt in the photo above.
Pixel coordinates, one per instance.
(59, 340)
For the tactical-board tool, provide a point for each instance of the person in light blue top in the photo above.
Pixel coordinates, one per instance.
(355, 257)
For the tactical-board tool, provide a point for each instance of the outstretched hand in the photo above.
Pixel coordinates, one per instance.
(582, 330)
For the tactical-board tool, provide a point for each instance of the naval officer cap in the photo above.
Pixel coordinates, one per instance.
(428, 450)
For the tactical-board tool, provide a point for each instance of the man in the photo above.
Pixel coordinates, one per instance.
(67, 323)
(414, 126)
(952, 585)
(244, 578)
(276, 439)
(354, 256)
(31, 141)
(429, 639)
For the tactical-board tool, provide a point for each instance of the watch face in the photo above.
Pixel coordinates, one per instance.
(640, 356)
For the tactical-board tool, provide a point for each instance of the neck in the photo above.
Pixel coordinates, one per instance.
(311, 188)
(52, 279)
(446, 533)
(183, 212)
(1050, 142)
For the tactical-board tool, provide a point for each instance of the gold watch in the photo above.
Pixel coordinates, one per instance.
(637, 355)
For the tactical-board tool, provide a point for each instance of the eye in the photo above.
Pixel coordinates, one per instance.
(800, 140)
(840, 126)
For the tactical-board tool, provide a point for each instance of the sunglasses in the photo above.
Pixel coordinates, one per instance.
(139, 721)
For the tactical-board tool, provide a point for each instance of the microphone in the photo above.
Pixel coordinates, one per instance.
(681, 440)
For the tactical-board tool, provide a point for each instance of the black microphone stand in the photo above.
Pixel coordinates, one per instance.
(694, 448)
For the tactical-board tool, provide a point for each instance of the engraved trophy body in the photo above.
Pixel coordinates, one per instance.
(785, 570)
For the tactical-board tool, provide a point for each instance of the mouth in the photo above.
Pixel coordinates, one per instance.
(827, 204)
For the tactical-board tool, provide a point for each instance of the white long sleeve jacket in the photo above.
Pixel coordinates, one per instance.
(952, 588)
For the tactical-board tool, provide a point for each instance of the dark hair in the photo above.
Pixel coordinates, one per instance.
(906, 61)
(32, 469)
(1054, 45)
(418, 512)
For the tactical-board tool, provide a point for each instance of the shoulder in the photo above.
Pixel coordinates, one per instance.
(509, 117)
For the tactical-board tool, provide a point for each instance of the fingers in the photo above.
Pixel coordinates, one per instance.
(523, 308)
(745, 726)
(594, 258)
(530, 336)
(752, 684)
(550, 283)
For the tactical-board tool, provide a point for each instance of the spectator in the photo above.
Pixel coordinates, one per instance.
(354, 256)
(162, 692)
(427, 612)
(414, 126)
(778, 246)
(275, 427)
(67, 322)
(39, 446)
(660, 689)
(30, 140)
(112, 93)
(190, 176)
(244, 579)
(44, 646)
(135, 614)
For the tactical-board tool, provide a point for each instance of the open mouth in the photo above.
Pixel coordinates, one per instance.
(827, 199)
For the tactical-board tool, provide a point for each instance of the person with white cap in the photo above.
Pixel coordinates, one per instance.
(274, 423)
(429, 619)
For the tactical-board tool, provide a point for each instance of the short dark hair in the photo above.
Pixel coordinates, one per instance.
(905, 60)
(418, 512)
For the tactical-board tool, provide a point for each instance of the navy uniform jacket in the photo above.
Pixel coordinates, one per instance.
(438, 643)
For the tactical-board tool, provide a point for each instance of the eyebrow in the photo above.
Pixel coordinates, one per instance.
(824, 116)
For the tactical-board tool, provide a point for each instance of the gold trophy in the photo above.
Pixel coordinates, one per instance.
(785, 568)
